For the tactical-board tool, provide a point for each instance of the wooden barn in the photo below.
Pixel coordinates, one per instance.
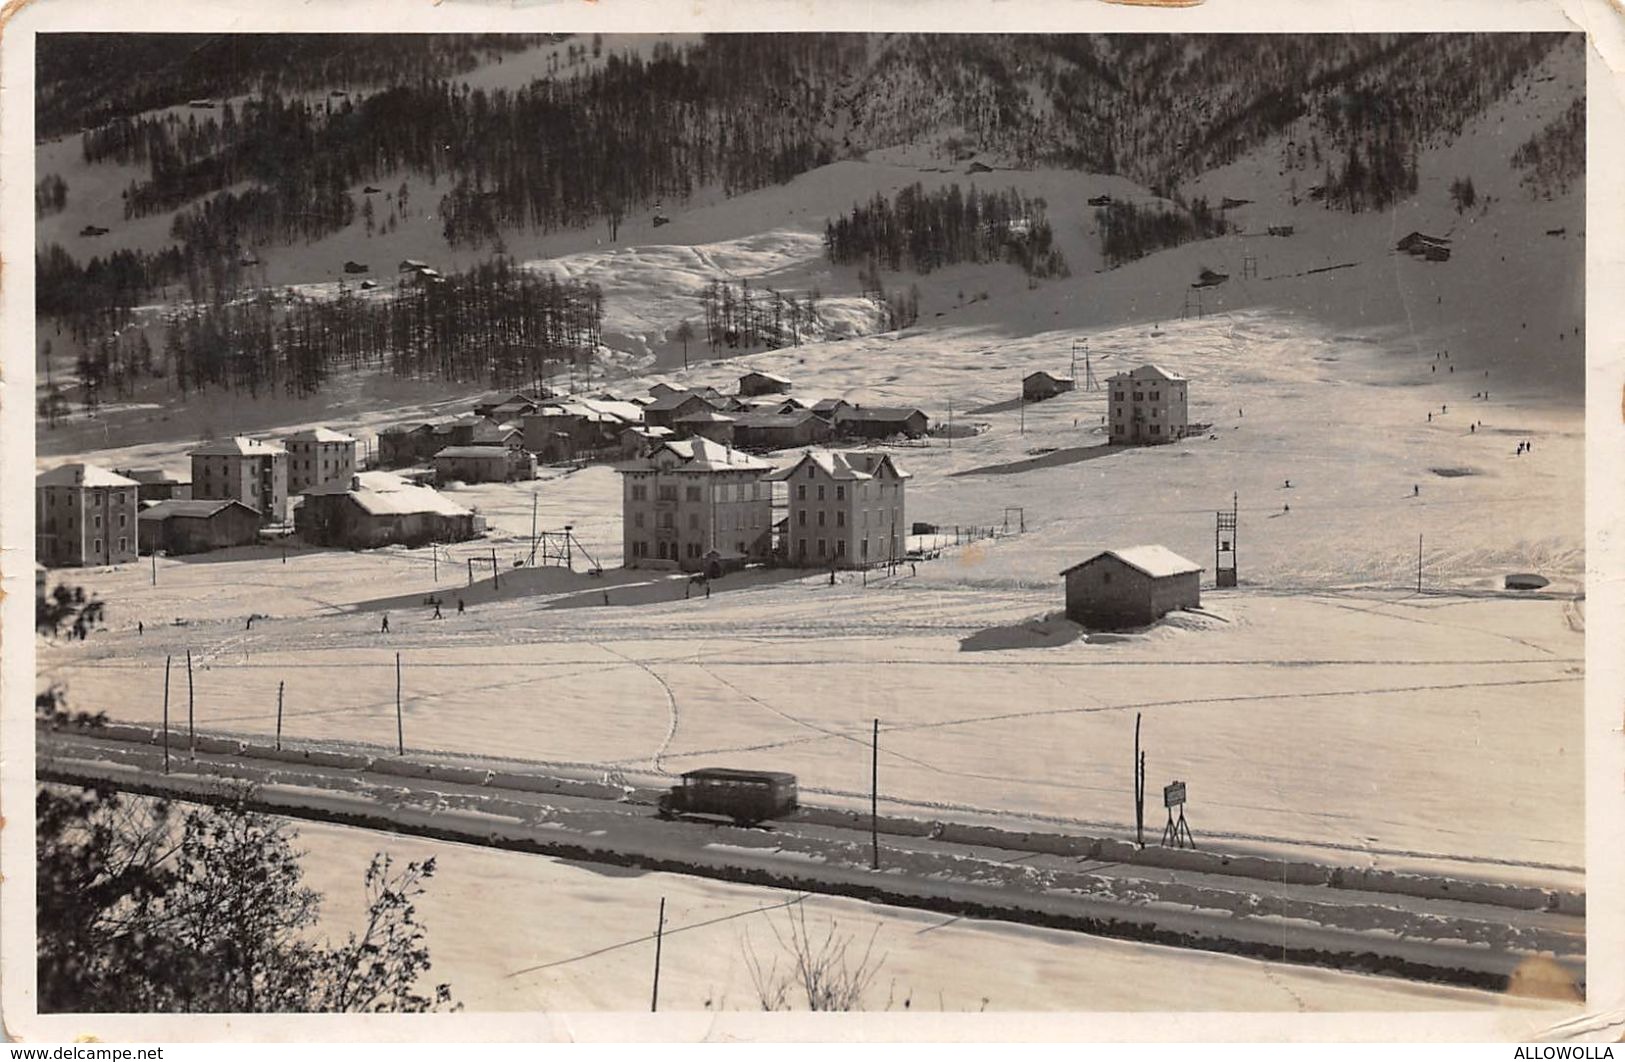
(177, 526)
(1131, 587)
(379, 509)
(1037, 386)
(763, 383)
(880, 422)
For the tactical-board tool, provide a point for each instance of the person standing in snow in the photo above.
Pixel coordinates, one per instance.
(460, 608)
(437, 614)
(384, 628)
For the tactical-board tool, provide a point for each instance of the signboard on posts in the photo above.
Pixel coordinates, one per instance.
(1173, 794)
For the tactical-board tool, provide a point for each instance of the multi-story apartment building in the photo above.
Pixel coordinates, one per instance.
(1147, 405)
(85, 515)
(318, 456)
(247, 470)
(695, 505)
(846, 510)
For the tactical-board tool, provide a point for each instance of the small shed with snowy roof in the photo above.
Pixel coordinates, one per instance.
(1131, 587)
(757, 382)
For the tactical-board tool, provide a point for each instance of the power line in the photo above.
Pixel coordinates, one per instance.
(650, 936)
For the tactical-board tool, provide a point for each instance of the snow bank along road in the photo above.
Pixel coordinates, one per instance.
(1431, 928)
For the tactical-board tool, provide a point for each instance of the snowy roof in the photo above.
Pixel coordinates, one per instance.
(705, 416)
(493, 452)
(769, 376)
(698, 455)
(824, 405)
(836, 465)
(675, 400)
(1150, 370)
(321, 435)
(384, 494)
(881, 413)
(1047, 376)
(1158, 562)
(145, 476)
(650, 433)
(770, 417)
(82, 475)
(200, 507)
(237, 446)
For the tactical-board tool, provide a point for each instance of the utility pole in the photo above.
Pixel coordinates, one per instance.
(279, 716)
(1139, 786)
(155, 566)
(188, 685)
(1419, 563)
(874, 799)
(533, 527)
(400, 726)
(660, 932)
(496, 582)
(166, 715)
(950, 436)
(434, 556)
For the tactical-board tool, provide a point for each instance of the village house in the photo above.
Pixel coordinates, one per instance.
(880, 422)
(178, 527)
(780, 429)
(380, 509)
(1420, 244)
(566, 430)
(664, 411)
(695, 505)
(1147, 405)
(1037, 386)
(763, 383)
(84, 515)
(405, 444)
(253, 472)
(317, 456)
(511, 406)
(638, 441)
(706, 424)
(483, 464)
(156, 484)
(1131, 587)
(846, 510)
(831, 408)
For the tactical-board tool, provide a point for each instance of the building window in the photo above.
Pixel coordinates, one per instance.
(821, 549)
(667, 520)
(801, 547)
(637, 519)
(840, 518)
(840, 547)
(801, 492)
(693, 494)
(1156, 396)
(98, 546)
(820, 492)
(123, 519)
(98, 521)
(820, 518)
(840, 492)
(801, 517)
(1139, 396)
(1117, 396)
(123, 544)
(809, 471)
(1156, 429)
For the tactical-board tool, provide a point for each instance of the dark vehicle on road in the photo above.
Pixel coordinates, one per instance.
(747, 797)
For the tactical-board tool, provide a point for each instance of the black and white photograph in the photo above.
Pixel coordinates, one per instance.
(935, 521)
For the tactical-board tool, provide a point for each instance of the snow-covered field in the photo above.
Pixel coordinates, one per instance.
(1361, 417)
(601, 957)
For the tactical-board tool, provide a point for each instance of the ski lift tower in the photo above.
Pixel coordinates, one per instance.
(1090, 382)
(1224, 544)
